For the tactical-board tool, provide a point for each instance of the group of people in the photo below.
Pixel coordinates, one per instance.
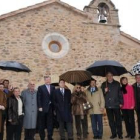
(31, 109)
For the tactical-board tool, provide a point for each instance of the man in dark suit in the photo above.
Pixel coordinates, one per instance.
(136, 88)
(45, 107)
(62, 102)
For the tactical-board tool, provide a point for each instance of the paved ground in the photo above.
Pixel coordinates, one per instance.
(90, 136)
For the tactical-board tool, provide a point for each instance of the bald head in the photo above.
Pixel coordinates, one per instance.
(31, 85)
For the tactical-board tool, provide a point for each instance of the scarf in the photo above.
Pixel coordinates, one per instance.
(123, 89)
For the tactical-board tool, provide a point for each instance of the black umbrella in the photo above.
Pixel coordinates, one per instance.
(55, 84)
(13, 66)
(76, 76)
(101, 68)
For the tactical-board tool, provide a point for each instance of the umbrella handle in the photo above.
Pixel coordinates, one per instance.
(106, 78)
(106, 83)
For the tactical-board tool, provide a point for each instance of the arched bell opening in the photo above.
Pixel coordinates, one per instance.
(103, 13)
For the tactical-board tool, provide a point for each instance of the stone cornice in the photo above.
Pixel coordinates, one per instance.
(127, 36)
(14, 13)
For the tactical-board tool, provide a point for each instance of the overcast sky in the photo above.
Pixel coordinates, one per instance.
(129, 11)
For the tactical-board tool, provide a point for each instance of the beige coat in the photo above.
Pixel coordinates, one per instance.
(97, 100)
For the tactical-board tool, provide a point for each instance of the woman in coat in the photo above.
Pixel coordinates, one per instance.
(2, 108)
(95, 96)
(78, 98)
(15, 115)
(128, 107)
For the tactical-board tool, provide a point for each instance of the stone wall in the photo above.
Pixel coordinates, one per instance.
(21, 39)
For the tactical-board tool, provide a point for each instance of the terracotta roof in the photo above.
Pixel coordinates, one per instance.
(41, 5)
(130, 37)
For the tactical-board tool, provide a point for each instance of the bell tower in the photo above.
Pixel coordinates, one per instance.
(103, 12)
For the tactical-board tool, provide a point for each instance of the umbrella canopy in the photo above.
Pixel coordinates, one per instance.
(55, 84)
(136, 69)
(77, 76)
(14, 66)
(84, 84)
(101, 68)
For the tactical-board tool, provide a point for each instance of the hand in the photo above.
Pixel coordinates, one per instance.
(106, 89)
(132, 107)
(10, 87)
(2, 107)
(10, 120)
(54, 112)
(121, 106)
(40, 109)
(102, 110)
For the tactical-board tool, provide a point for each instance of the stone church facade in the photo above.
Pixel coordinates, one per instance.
(54, 37)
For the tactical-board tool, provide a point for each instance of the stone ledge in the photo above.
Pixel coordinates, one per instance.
(102, 24)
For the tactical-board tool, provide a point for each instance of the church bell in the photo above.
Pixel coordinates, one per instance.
(102, 19)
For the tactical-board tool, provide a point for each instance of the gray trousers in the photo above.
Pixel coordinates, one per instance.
(69, 129)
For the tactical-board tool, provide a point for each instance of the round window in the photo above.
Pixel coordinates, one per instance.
(55, 45)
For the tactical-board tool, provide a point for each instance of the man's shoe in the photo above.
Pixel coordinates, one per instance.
(85, 137)
(120, 137)
(78, 137)
(113, 137)
(50, 137)
(127, 136)
(95, 137)
(132, 137)
(100, 137)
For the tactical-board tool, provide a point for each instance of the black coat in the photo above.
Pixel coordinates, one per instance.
(44, 99)
(63, 105)
(12, 108)
(137, 99)
(114, 97)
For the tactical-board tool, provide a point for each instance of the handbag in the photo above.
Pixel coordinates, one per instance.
(87, 106)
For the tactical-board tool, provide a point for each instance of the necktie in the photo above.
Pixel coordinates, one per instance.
(48, 87)
(62, 91)
(92, 90)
